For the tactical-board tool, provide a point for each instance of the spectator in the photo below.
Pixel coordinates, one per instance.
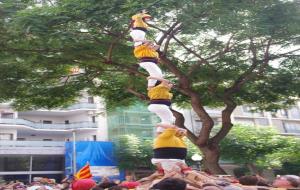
(248, 180)
(129, 184)
(117, 188)
(211, 186)
(170, 184)
(287, 181)
(98, 188)
(83, 184)
(106, 183)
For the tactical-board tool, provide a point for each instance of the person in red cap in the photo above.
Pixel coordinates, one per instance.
(83, 184)
(129, 184)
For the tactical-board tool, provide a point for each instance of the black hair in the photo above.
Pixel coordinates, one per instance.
(117, 188)
(105, 185)
(97, 188)
(293, 180)
(248, 180)
(170, 184)
(157, 83)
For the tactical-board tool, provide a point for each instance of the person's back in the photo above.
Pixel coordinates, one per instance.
(170, 184)
(287, 181)
(83, 184)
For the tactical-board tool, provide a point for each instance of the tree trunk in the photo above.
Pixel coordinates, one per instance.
(211, 153)
(253, 169)
(211, 158)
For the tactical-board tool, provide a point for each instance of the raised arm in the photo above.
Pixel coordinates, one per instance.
(157, 78)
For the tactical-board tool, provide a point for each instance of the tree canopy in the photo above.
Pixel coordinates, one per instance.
(134, 152)
(261, 147)
(217, 44)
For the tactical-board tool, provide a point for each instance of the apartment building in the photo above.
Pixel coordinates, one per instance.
(139, 121)
(32, 143)
(286, 121)
(135, 119)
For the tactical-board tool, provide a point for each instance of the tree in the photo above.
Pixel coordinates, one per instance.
(133, 152)
(217, 53)
(130, 152)
(260, 148)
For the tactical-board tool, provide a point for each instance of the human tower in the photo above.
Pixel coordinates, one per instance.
(169, 147)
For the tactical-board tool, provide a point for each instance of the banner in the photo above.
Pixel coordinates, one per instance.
(98, 154)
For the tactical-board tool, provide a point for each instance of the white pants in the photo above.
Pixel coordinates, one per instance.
(153, 71)
(163, 112)
(168, 164)
(137, 35)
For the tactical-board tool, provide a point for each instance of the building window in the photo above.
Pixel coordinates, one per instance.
(7, 115)
(91, 100)
(274, 114)
(14, 163)
(6, 136)
(21, 139)
(291, 127)
(145, 119)
(67, 122)
(94, 119)
(284, 112)
(47, 122)
(47, 139)
(247, 109)
(47, 163)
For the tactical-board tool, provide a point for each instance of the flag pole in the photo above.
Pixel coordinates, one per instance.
(74, 152)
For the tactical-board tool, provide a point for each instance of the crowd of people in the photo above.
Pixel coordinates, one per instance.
(291, 182)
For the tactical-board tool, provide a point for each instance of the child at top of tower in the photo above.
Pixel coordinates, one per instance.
(139, 27)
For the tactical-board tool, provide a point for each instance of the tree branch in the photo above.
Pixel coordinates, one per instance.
(226, 120)
(226, 49)
(167, 33)
(272, 57)
(170, 37)
(190, 50)
(137, 94)
(185, 88)
(180, 123)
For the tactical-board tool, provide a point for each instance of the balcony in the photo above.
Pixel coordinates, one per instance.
(81, 106)
(57, 126)
(32, 147)
(75, 109)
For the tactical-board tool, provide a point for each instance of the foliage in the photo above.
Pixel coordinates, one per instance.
(192, 149)
(262, 146)
(43, 42)
(135, 152)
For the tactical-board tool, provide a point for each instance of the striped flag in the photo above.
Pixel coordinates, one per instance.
(84, 172)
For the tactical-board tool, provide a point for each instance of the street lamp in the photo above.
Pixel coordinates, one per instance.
(197, 158)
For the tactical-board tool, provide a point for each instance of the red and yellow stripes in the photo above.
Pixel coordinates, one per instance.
(84, 172)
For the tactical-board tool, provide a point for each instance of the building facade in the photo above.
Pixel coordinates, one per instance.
(286, 121)
(32, 143)
(135, 120)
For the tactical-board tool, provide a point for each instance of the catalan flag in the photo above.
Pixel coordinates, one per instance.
(84, 172)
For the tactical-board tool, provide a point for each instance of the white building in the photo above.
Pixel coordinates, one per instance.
(286, 121)
(32, 142)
